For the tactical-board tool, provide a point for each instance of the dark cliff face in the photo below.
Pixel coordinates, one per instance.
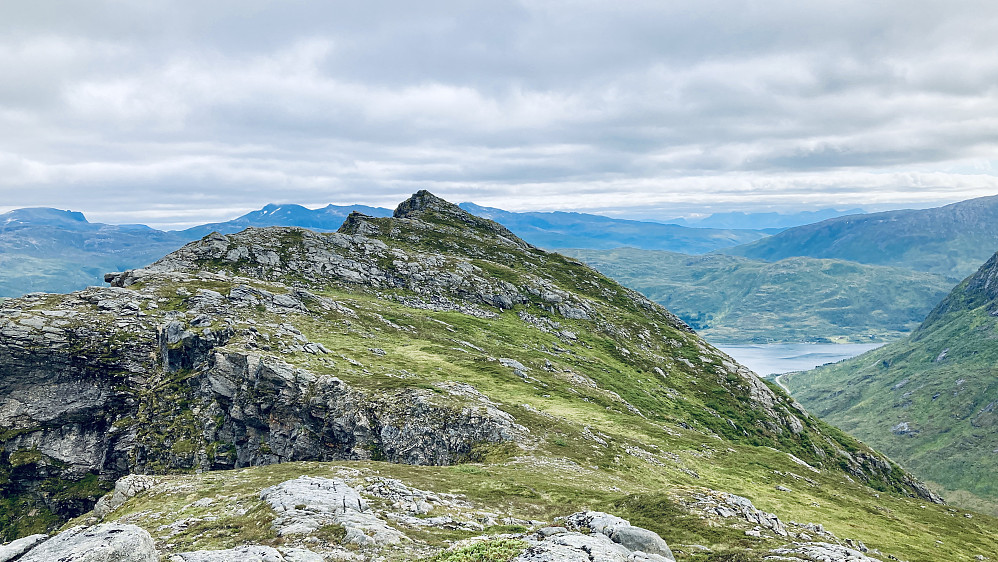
(266, 346)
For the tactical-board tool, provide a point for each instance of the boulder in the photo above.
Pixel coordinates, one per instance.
(620, 531)
(13, 549)
(108, 542)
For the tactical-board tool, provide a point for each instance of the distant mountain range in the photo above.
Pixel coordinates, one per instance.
(730, 299)
(951, 240)
(58, 251)
(50, 250)
(762, 221)
(930, 401)
(325, 219)
(554, 230)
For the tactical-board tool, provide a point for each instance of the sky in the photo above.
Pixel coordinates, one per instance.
(173, 113)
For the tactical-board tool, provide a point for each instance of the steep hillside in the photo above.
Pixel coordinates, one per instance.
(579, 230)
(929, 400)
(730, 299)
(435, 379)
(951, 240)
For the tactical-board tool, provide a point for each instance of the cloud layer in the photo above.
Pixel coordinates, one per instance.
(183, 112)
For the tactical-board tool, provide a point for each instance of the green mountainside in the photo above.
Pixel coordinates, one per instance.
(413, 383)
(929, 400)
(730, 299)
(951, 240)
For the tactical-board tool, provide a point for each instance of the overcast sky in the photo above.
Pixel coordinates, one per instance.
(180, 112)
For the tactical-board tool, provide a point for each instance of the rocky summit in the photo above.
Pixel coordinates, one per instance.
(425, 386)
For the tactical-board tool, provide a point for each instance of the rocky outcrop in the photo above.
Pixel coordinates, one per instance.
(621, 532)
(597, 536)
(83, 375)
(109, 542)
(14, 549)
(249, 553)
(307, 503)
(823, 552)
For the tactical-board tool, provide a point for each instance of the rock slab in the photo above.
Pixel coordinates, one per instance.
(108, 542)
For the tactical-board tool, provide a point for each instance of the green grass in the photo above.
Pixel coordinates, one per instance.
(496, 550)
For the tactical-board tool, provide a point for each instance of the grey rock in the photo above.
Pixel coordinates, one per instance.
(575, 547)
(621, 531)
(824, 552)
(639, 539)
(124, 489)
(249, 553)
(107, 542)
(307, 503)
(14, 549)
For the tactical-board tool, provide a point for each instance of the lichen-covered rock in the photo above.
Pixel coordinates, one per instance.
(14, 549)
(307, 503)
(621, 532)
(249, 553)
(822, 552)
(107, 542)
(558, 545)
(125, 488)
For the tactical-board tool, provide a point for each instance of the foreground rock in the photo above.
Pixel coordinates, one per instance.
(249, 553)
(109, 542)
(610, 539)
(16, 548)
(822, 552)
(306, 503)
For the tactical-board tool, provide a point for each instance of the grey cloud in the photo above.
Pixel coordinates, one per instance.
(161, 109)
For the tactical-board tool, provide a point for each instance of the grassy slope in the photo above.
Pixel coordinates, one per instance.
(562, 471)
(694, 430)
(941, 381)
(732, 299)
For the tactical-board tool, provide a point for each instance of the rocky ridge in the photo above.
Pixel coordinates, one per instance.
(431, 338)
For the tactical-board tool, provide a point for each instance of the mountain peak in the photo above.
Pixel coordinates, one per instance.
(423, 201)
(42, 216)
(426, 207)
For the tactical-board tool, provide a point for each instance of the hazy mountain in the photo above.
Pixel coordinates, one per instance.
(762, 221)
(930, 400)
(385, 391)
(730, 299)
(951, 240)
(57, 251)
(325, 219)
(51, 250)
(579, 230)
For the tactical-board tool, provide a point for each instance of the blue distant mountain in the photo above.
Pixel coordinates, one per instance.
(559, 229)
(763, 221)
(52, 250)
(326, 219)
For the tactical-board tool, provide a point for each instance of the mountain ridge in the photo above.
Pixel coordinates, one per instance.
(434, 351)
(951, 240)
